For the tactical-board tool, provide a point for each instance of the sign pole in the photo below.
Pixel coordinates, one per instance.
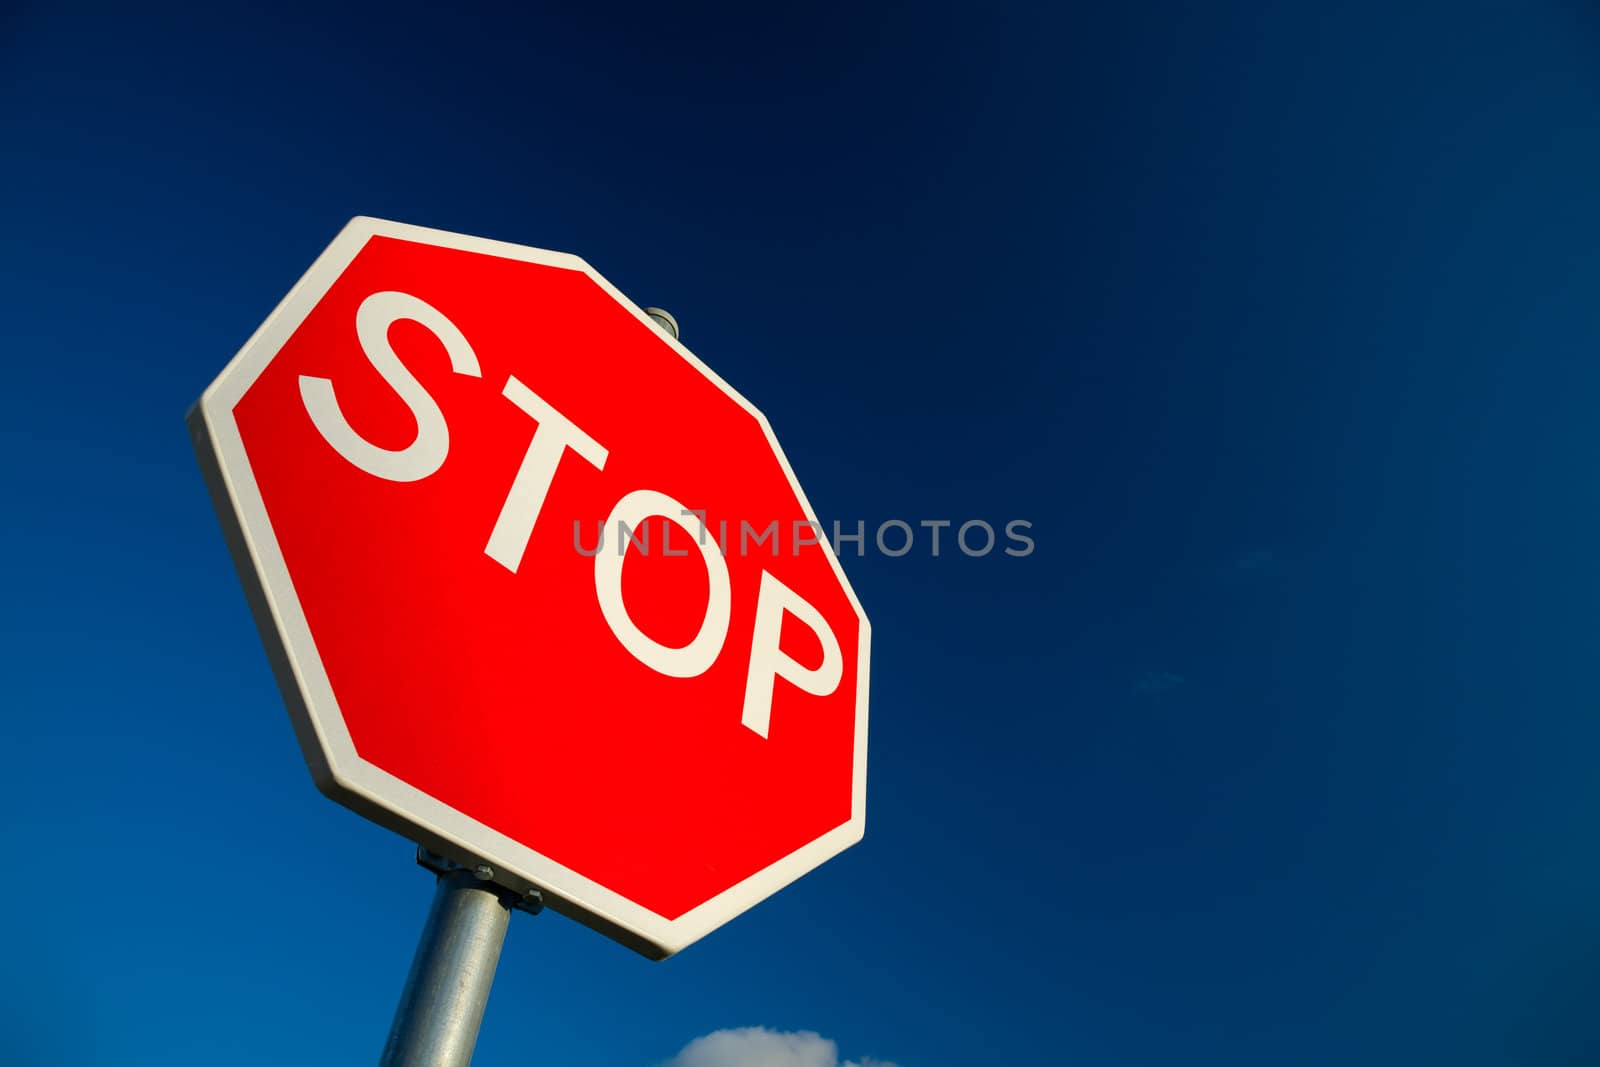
(441, 1007)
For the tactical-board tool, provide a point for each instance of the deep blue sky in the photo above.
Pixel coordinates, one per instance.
(1280, 323)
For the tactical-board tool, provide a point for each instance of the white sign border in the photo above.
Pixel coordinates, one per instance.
(335, 766)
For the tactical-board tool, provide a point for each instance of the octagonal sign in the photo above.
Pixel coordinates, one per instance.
(539, 588)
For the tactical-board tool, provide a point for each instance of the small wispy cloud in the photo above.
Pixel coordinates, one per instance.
(1158, 683)
(757, 1046)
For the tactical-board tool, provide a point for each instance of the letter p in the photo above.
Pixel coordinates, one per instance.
(769, 662)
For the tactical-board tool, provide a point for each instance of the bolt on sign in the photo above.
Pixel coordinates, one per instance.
(474, 495)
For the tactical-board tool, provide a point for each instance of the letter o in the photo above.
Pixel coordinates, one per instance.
(961, 538)
(699, 654)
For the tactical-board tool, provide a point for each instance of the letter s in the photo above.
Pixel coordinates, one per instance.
(424, 455)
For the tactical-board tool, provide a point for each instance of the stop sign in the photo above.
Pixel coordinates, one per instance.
(539, 588)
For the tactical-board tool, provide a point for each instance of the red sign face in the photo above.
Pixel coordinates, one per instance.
(541, 589)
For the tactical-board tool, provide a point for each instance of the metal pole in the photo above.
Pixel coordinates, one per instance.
(664, 319)
(436, 1024)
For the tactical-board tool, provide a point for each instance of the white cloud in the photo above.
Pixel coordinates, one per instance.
(756, 1046)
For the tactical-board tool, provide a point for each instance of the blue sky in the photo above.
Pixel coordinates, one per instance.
(1277, 322)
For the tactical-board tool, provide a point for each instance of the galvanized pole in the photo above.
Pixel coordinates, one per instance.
(436, 1024)
(664, 319)
(441, 1007)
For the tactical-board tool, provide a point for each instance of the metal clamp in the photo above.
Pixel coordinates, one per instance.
(531, 901)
